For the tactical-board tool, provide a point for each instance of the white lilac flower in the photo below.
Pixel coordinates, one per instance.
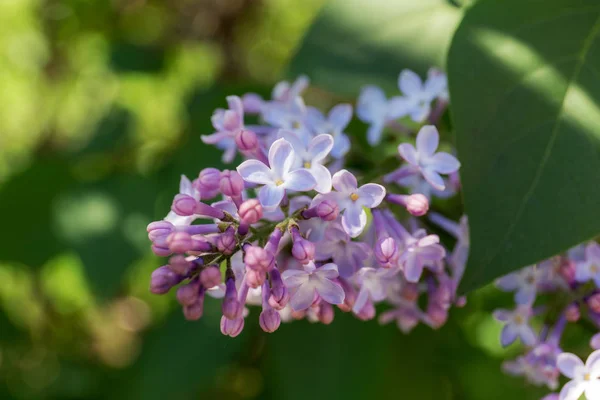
(418, 95)
(311, 281)
(375, 109)
(227, 123)
(334, 124)
(310, 154)
(516, 326)
(352, 200)
(523, 282)
(277, 178)
(584, 377)
(426, 160)
(589, 268)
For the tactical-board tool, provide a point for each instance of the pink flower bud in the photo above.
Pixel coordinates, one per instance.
(594, 303)
(436, 316)
(180, 242)
(279, 292)
(208, 182)
(258, 258)
(188, 294)
(231, 183)
(251, 211)
(328, 210)
(184, 205)
(232, 327)
(349, 296)
(269, 320)
(595, 342)
(159, 229)
(161, 251)
(367, 312)
(417, 204)
(226, 242)
(210, 276)
(163, 279)
(325, 313)
(194, 311)
(255, 278)
(567, 270)
(179, 264)
(246, 140)
(386, 252)
(303, 250)
(231, 307)
(572, 313)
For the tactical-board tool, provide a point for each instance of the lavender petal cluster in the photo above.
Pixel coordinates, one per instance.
(292, 230)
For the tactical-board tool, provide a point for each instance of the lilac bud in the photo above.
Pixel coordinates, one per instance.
(231, 183)
(349, 295)
(194, 311)
(367, 312)
(269, 320)
(279, 293)
(436, 315)
(594, 303)
(303, 250)
(246, 140)
(210, 276)
(595, 342)
(567, 270)
(231, 307)
(572, 313)
(417, 204)
(251, 211)
(208, 182)
(184, 205)
(461, 302)
(226, 242)
(159, 229)
(161, 251)
(328, 210)
(188, 294)
(410, 292)
(258, 258)
(386, 252)
(255, 278)
(180, 242)
(325, 313)
(179, 264)
(163, 279)
(232, 327)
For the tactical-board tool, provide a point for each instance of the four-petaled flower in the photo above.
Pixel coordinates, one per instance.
(374, 108)
(419, 95)
(310, 154)
(227, 123)
(373, 286)
(426, 160)
(277, 178)
(334, 124)
(352, 200)
(516, 326)
(524, 283)
(584, 377)
(589, 268)
(348, 255)
(311, 281)
(420, 250)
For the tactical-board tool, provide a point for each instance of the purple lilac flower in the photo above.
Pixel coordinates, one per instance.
(373, 286)
(375, 109)
(227, 123)
(348, 255)
(589, 268)
(426, 160)
(523, 282)
(334, 124)
(311, 281)
(516, 325)
(420, 250)
(418, 95)
(277, 178)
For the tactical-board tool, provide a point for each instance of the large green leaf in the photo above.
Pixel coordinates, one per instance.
(525, 90)
(353, 42)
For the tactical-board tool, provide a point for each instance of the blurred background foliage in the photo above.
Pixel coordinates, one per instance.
(101, 107)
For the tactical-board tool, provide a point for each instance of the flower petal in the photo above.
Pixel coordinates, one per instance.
(361, 299)
(343, 181)
(568, 363)
(294, 277)
(526, 295)
(428, 140)
(572, 390)
(527, 335)
(371, 195)
(340, 116)
(508, 282)
(235, 104)
(281, 157)
(319, 147)
(593, 363)
(412, 268)
(369, 103)
(329, 291)
(300, 180)
(436, 84)
(255, 171)
(323, 178)
(592, 252)
(409, 82)
(409, 153)
(341, 145)
(420, 111)
(444, 163)
(354, 220)
(502, 315)
(374, 133)
(185, 186)
(303, 297)
(592, 390)
(327, 271)
(270, 196)
(294, 139)
(397, 107)
(433, 178)
(508, 335)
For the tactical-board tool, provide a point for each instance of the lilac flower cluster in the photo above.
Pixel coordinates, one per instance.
(293, 231)
(573, 280)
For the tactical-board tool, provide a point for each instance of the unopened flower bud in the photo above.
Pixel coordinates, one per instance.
(436, 316)
(417, 204)
(572, 313)
(194, 311)
(231, 183)
(567, 270)
(595, 342)
(231, 307)
(208, 182)
(325, 313)
(328, 210)
(279, 292)
(303, 250)
(226, 242)
(232, 327)
(180, 242)
(258, 258)
(210, 276)
(188, 294)
(269, 320)
(251, 211)
(255, 278)
(349, 296)
(246, 140)
(594, 303)
(184, 205)
(386, 252)
(158, 232)
(163, 279)
(367, 312)
(179, 264)
(161, 251)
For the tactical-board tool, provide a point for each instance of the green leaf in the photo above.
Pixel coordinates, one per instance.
(525, 90)
(353, 43)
